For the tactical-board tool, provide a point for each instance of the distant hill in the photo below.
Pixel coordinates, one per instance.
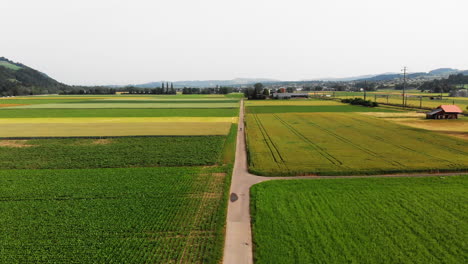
(434, 74)
(342, 79)
(388, 77)
(204, 83)
(443, 71)
(19, 79)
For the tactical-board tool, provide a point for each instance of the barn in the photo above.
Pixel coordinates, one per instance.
(444, 112)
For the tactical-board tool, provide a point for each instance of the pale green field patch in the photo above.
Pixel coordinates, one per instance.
(76, 120)
(308, 102)
(10, 66)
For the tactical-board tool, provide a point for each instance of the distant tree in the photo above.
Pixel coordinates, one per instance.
(399, 86)
(290, 89)
(249, 93)
(258, 88)
(368, 86)
(338, 87)
(266, 92)
(172, 90)
(225, 90)
(255, 93)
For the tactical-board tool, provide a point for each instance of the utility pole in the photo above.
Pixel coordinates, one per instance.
(365, 88)
(404, 86)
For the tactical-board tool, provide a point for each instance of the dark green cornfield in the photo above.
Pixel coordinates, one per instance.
(82, 153)
(137, 215)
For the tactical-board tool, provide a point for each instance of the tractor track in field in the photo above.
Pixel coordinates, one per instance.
(238, 242)
(270, 144)
(319, 149)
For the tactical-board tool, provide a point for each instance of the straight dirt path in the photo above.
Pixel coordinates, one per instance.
(238, 243)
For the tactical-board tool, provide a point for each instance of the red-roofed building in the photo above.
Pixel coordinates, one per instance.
(444, 112)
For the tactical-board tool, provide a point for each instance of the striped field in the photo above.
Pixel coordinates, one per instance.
(346, 143)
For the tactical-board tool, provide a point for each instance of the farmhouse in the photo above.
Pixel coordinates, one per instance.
(290, 95)
(444, 112)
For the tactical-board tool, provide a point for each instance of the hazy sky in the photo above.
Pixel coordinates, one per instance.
(137, 41)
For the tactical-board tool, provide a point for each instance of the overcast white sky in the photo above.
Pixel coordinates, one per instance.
(137, 41)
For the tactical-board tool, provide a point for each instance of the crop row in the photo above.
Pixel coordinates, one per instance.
(312, 108)
(166, 101)
(181, 112)
(110, 153)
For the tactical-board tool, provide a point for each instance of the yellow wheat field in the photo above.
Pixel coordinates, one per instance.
(18, 130)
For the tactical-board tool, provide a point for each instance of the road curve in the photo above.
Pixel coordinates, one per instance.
(238, 243)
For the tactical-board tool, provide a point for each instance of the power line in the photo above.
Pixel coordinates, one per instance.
(404, 86)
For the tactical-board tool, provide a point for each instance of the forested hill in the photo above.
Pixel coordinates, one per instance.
(19, 79)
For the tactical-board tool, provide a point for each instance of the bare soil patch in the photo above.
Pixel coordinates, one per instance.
(92, 142)
(462, 135)
(102, 141)
(15, 143)
(8, 105)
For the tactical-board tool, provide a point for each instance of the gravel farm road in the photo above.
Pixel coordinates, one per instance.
(238, 243)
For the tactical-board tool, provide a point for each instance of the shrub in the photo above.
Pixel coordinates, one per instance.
(359, 101)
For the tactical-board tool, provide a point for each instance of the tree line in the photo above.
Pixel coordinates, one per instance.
(258, 92)
(453, 82)
(216, 90)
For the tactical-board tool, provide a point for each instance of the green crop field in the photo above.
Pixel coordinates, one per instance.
(313, 108)
(137, 215)
(346, 143)
(153, 101)
(180, 112)
(379, 220)
(103, 198)
(229, 151)
(290, 102)
(427, 102)
(395, 98)
(110, 152)
(125, 105)
(44, 100)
